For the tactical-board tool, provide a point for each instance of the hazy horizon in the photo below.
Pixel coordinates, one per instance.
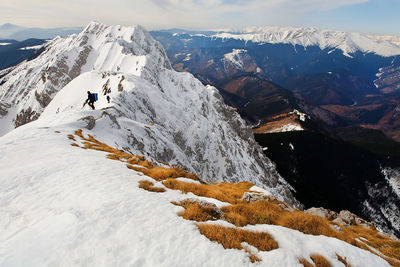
(377, 17)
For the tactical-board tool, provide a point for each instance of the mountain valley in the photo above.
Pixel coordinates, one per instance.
(270, 146)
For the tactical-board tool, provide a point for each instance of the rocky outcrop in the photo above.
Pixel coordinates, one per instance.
(168, 117)
(344, 217)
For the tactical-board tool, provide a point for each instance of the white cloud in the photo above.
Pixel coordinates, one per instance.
(162, 13)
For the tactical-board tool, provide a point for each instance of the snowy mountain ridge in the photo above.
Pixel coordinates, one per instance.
(28, 88)
(348, 42)
(71, 206)
(64, 205)
(167, 116)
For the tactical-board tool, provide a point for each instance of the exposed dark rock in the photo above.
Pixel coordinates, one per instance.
(91, 122)
(25, 116)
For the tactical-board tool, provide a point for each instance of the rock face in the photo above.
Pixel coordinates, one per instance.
(169, 117)
(388, 80)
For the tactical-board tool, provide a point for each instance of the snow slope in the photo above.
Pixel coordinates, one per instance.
(65, 206)
(29, 87)
(307, 36)
(167, 116)
(235, 58)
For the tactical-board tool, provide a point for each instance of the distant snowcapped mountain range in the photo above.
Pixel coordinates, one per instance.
(348, 42)
(19, 33)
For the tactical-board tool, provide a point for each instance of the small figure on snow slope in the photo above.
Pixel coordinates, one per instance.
(90, 100)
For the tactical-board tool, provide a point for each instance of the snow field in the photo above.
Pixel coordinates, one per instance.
(63, 205)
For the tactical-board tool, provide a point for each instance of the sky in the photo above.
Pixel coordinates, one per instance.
(366, 16)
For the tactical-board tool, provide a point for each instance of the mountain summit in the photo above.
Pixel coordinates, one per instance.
(76, 188)
(167, 116)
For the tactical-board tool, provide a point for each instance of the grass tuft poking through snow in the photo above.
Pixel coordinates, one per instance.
(308, 224)
(272, 212)
(225, 192)
(343, 260)
(72, 137)
(195, 211)
(234, 237)
(159, 173)
(305, 263)
(258, 212)
(149, 186)
(146, 167)
(253, 258)
(320, 261)
(241, 213)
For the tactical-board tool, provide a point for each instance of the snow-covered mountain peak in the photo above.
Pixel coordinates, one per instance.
(347, 42)
(154, 111)
(121, 45)
(25, 90)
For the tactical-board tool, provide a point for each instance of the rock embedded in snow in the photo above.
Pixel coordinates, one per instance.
(255, 196)
(344, 217)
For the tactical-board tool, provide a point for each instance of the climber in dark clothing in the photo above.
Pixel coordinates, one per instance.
(90, 100)
(108, 99)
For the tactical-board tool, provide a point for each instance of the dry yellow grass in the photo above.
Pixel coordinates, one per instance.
(226, 192)
(343, 260)
(233, 237)
(306, 223)
(157, 172)
(194, 211)
(242, 213)
(305, 263)
(145, 163)
(135, 159)
(113, 157)
(371, 237)
(320, 261)
(253, 258)
(149, 186)
(270, 212)
(79, 133)
(383, 243)
(161, 173)
(259, 212)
